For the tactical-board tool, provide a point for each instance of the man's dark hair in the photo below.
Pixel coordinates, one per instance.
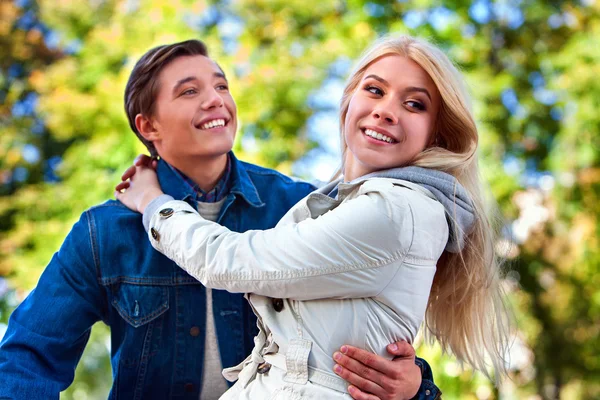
(143, 84)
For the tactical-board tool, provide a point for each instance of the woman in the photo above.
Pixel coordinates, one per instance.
(362, 261)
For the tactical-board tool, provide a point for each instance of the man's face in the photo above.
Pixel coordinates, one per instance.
(194, 114)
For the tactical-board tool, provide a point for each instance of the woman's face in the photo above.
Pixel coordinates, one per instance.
(391, 116)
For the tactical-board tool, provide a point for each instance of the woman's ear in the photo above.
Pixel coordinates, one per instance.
(145, 126)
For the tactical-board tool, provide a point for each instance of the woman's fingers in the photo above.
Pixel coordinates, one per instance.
(129, 172)
(122, 186)
(143, 160)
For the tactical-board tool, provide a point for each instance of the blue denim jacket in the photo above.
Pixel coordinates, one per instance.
(106, 270)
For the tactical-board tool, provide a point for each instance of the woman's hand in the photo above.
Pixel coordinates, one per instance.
(142, 160)
(141, 188)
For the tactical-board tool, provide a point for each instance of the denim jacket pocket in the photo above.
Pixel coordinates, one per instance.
(142, 309)
(139, 304)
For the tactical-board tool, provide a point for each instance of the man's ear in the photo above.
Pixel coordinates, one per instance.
(145, 126)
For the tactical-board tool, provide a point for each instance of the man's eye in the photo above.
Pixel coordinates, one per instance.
(222, 87)
(416, 104)
(374, 90)
(188, 92)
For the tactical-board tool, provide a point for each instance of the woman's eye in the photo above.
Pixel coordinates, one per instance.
(375, 90)
(222, 87)
(416, 104)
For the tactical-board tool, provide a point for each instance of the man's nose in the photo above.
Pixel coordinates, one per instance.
(212, 99)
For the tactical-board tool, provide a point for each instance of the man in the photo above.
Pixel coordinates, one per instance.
(170, 336)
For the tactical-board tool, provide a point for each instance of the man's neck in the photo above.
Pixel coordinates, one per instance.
(205, 171)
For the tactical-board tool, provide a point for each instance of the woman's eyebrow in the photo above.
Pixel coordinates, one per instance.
(407, 90)
(377, 78)
(417, 89)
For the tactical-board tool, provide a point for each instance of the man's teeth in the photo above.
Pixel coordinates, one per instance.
(213, 123)
(378, 136)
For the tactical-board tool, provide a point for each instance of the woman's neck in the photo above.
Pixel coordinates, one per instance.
(353, 169)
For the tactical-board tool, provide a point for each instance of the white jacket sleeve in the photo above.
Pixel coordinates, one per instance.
(352, 251)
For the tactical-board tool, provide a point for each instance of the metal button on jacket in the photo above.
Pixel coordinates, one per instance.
(166, 212)
(278, 304)
(263, 368)
(194, 331)
(154, 234)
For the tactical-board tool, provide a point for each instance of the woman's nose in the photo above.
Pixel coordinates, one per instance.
(386, 112)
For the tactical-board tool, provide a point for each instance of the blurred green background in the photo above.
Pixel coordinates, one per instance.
(533, 68)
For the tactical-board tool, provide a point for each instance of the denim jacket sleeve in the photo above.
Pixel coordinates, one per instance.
(47, 333)
(428, 389)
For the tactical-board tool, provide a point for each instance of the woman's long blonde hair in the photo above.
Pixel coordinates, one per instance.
(466, 310)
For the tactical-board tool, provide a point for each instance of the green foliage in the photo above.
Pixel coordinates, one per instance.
(531, 66)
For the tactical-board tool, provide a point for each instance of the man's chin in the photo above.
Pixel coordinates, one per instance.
(216, 152)
(213, 147)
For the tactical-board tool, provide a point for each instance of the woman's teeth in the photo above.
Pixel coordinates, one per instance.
(213, 123)
(378, 136)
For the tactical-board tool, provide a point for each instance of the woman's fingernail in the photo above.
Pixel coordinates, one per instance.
(337, 368)
(344, 349)
(337, 356)
(393, 347)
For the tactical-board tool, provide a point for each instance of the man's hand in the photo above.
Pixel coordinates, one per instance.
(373, 377)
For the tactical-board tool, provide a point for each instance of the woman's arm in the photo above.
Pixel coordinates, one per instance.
(353, 251)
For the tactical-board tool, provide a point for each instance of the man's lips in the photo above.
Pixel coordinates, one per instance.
(216, 121)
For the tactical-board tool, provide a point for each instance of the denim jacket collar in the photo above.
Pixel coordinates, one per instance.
(241, 184)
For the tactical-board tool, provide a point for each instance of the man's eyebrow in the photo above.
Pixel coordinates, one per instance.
(183, 82)
(219, 75)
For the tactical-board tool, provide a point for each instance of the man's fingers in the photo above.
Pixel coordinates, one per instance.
(358, 394)
(368, 359)
(122, 186)
(360, 375)
(401, 349)
(129, 172)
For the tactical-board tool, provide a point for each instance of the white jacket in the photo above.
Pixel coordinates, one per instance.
(353, 270)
